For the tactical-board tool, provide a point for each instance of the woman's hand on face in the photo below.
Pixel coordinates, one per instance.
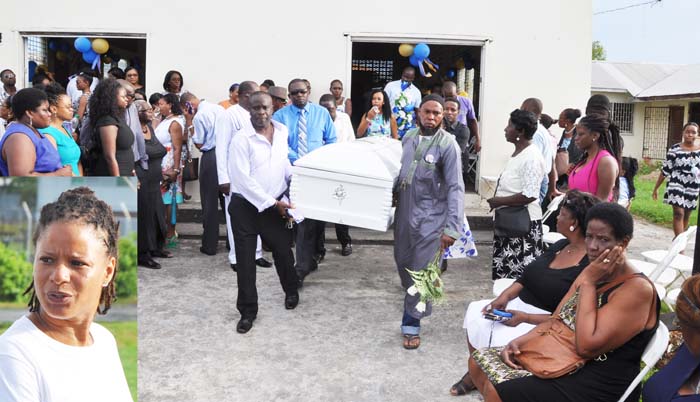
(607, 262)
(509, 355)
(517, 318)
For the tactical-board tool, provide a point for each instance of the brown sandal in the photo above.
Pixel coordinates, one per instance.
(411, 341)
(462, 386)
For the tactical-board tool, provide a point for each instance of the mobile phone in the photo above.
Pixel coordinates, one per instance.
(189, 107)
(502, 313)
(494, 317)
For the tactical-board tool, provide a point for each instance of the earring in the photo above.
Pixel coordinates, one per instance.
(571, 228)
(30, 121)
(517, 138)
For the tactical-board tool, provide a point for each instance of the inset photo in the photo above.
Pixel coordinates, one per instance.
(68, 251)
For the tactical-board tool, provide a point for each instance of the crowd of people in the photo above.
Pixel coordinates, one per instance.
(250, 141)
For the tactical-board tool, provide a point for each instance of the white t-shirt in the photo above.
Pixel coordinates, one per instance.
(343, 127)
(37, 368)
(542, 140)
(523, 174)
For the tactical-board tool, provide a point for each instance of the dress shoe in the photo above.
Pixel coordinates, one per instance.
(244, 325)
(149, 263)
(443, 266)
(347, 250)
(233, 267)
(204, 251)
(300, 281)
(319, 257)
(261, 262)
(291, 301)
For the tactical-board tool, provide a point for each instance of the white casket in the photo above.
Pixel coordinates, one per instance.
(349, 183)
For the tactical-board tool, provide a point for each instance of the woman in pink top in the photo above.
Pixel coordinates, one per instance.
(597, 170)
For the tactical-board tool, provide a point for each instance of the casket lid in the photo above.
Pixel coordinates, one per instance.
(373, 157)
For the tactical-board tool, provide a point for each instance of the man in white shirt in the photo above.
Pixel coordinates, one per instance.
(260, 172)
(344, 133)
(72, 87)
(227, 124)
(404, 110)
(542, 140)
(203, 115)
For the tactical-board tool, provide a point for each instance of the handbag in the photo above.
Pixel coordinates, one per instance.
(190, 170)
(561, 162)
(549, 350)
(511, 221)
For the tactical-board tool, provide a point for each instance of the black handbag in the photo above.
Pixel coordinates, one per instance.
(190, 171)
(511, 221)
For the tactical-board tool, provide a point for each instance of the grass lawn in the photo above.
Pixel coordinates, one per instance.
(126, 336)
(654, 211)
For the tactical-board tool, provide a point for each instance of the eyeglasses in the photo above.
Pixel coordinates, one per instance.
(298, 92)
(8, 76)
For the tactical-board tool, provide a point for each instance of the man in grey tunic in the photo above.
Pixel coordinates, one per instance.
(429, 213)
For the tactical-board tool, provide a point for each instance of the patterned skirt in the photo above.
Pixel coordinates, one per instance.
(512, 254)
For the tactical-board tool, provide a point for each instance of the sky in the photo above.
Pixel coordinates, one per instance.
(666, 31)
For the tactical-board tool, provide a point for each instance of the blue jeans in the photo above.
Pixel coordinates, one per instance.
(544, 187)
(409, 325)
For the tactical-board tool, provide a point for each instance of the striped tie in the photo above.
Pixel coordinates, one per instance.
(301, 127)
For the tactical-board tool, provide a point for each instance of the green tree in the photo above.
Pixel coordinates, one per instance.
(598, 51)
(15, 274)
(126, 275)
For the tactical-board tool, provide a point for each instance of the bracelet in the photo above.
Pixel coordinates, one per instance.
(176, 171)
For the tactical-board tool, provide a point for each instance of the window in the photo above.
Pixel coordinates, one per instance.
(382, 70)
(622, 115)
(36, 49)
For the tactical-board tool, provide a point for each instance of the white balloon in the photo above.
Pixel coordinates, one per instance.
(122, 64)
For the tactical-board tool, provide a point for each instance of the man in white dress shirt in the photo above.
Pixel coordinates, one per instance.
(344, 133)
(404, 86)
(260, 172)
(201, 116)
(233, 120)
(543, 143)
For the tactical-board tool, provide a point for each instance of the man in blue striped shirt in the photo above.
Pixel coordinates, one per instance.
(310, 127)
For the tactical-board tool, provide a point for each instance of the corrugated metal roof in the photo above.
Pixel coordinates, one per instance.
(633, 78)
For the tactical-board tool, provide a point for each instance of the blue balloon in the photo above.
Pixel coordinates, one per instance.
(450, 73)
(89, 56)
(53, 45)
(415, 60)
(63, 46)
(422, 51)
(82, 44)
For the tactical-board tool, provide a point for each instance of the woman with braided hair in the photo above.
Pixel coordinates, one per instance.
(679, 380)
(57, 352)
(597, 170)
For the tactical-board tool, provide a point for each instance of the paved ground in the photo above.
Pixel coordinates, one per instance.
(342, 343)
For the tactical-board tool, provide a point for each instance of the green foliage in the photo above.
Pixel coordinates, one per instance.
(15, 274)
(598, 51)
(646, 168)
(127, 276)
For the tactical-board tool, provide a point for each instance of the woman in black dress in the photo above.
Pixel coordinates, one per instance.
(151, 213)
(112, 136)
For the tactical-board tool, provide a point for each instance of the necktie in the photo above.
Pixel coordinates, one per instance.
(301, 127)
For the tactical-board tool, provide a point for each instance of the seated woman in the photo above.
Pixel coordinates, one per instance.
(378, 121)
(680, 379)
(30, 153)
(611, 328)
(57, 352)
(533, 296)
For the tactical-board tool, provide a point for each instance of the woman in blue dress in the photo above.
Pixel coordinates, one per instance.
(62, 112)
(378, 120)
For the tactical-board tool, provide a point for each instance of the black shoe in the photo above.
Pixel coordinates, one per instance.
(319, 257)
(204, 251)
(347, 250)
(187, 197)
(300, 281)
(443, 266)
(261, 262)
(233, 267)
(149, 263)
(291, 301)
(244, 325)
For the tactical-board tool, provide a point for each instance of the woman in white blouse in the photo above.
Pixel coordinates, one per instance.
(519, 185)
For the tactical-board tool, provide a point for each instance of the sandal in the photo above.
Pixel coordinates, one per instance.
(171, 242)
(162, 254)
(462, 386)
(411, 341)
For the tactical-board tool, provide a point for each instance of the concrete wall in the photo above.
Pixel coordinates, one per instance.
(216, 43)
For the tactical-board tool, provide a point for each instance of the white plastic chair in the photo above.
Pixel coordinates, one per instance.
(499, 285)
(666, 278)
(681, 263)
(553, 206)
(678, 245)
(652, 353)
(548, 236)
(671, 297)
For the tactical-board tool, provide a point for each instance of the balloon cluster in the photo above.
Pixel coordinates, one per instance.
(91, 51)
(417, 56)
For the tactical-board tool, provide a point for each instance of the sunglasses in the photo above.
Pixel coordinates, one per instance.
(298, 92)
